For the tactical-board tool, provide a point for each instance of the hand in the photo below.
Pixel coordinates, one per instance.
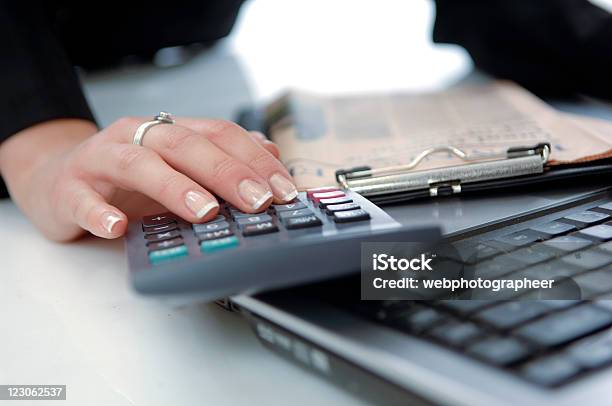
(94, 182)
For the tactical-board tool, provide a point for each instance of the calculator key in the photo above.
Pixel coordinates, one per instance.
(310, 192)
(220, 217)
(594, 283)
(510, 314)
(158, 220)
(168, 235)
(302, 222)
(455, 333)
(323, 203)
(592, 352)
(316, 197)
(589, 259)
(567, 243)
(219, 244)
(554, 228)
(607, 247)
(284, 215)
(607, 207)
(289, 206)
(520, 238)
(587, 218)
(500, 351)
(351, 215)
(206, 227)
(332, 208)
(160, 229)
(550, 371)
(260, 218)
(601, 232)
(160, 245)
(167, 254)
(213, 235)
(259, 228)
(470, 252)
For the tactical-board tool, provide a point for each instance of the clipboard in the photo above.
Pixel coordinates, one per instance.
(518, 168)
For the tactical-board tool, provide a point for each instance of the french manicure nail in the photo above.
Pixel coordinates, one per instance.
(283, 187)
(254, 194)
(199, 203)
(109, 219)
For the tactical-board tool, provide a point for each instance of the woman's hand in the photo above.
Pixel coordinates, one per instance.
(68, 178)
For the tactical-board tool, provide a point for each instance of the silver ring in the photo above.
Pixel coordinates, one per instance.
(162, 118)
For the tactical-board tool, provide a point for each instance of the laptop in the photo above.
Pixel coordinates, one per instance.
(467, 352)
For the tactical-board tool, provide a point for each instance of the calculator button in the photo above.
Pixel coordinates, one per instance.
(351, 215)
(284, 215)
(302, 222)
(260, 218)
(323, 203)
(587, 218)
(607, 207)
(213, 235)
(220, 217)
(601, 232)
(289, 206)
(554, 228)
(160, 245)
(206, 227)
(158, 220)
(219, 244)
(169, 253)
(316, 197)
(310, 192)
(520, 238)
(332, 208)
(568, 243)
(236, 214)
(260, 228)
(168, 235)
(160, 229)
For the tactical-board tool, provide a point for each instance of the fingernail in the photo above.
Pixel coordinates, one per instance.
(109, 219)
(199, 203)
(254, 194)
(283, 187)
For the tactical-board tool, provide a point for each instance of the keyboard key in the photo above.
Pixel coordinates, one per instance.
(168, 235)
(256, 219)
(317, 197)
(160, 229)
(465, 307)
(236, 214)
(289, 206)
(323, 203)
(158, 220)
(259, 228)
(494, 268)
(351, 215)
(602, 232)
(219, 244)
(554, 228)
(332, 208)
(594, 283)
(302, 222)
(556, 270)
(165, 244)
(587, 218)
(568, 243)
(606, 247)
(294, 213)
(167, 254)
(532, 255)
(472, 252)
(607, 207)
(213, 235)
(589, 259)
(500, 351)
(457, 334)
(592, 352)
(565, 326)
(520, 238)
(208, 227)
(510, 314)
(550, 371)
(310, 192)
(417, 321)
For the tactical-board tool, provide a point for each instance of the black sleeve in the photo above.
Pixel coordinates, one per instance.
(558, 47)
(38, 81)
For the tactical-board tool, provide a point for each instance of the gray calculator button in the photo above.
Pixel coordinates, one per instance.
(284, 215)
(289, 206)
(161, 245)
(207, 227)
(351, 215)
(167, 235)
(259, 228)
(253, 219)
(587, 218)
(568, 243)
(332, 208)
(554, 228)
(601, 232)
(160, 229)
(302, 222)
(213, 235)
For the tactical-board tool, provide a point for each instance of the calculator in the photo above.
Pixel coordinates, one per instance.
(316, 236)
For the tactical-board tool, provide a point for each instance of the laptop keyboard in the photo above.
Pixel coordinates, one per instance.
(547, 342)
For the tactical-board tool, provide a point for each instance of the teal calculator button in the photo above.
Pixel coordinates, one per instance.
(170, 253)
(219, 244)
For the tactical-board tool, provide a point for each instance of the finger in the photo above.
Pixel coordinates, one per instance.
(266, 143)
(204, 162)
(133, 167)
(235, 141)
(90, 211)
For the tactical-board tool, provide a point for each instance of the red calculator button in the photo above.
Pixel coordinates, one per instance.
(316, 197)
(310, 192)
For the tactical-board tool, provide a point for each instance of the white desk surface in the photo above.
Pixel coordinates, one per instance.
(67, 313)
